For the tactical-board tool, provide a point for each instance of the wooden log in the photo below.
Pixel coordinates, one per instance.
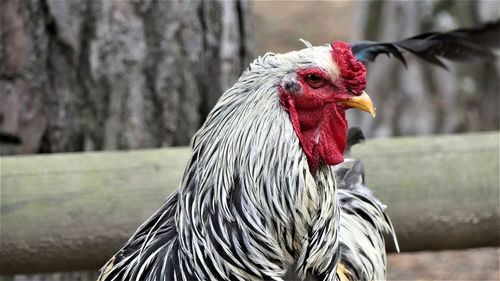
(73, 211)
(442, 192)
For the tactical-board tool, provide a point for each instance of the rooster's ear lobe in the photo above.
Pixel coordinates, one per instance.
(291, 86)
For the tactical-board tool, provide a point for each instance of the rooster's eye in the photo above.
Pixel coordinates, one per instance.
(315, 81)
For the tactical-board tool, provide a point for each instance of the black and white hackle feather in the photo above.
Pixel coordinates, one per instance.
(249, 209)
(362, 226)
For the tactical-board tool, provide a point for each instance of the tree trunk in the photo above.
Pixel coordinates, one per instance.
(99, 75)
(107, 75)
(424, 99)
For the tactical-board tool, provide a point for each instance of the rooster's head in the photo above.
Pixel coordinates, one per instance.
(316, 96)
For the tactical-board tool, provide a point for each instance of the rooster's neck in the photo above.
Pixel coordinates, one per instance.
(249, 180)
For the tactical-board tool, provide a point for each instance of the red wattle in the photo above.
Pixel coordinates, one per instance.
(321, 129)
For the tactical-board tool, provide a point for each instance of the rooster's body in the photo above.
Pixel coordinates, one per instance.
(249, 206)
(259, 199)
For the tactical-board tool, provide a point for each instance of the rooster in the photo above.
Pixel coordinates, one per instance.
(263, 196)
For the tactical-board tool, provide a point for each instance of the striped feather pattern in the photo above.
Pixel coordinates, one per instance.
(247, 207)
(363, 224)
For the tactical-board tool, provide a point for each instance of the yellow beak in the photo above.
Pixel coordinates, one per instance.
(362, 102)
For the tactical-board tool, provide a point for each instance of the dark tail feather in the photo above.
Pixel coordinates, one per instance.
(9, 138)
(354, 136)
(475, 44)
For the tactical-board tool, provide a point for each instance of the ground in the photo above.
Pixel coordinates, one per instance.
(471, 264)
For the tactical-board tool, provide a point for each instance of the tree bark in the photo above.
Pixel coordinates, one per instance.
(99, 75)
(424, 99)
(107, 75)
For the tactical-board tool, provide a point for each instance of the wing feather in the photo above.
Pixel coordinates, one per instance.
(363, 225)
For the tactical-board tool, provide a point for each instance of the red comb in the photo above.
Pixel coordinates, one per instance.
(353, 72)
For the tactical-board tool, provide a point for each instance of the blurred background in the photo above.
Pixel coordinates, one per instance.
(119, 75)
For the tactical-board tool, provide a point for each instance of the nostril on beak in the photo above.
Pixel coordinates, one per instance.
(354, 93)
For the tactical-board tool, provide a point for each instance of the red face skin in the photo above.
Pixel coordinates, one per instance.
(317, 112)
